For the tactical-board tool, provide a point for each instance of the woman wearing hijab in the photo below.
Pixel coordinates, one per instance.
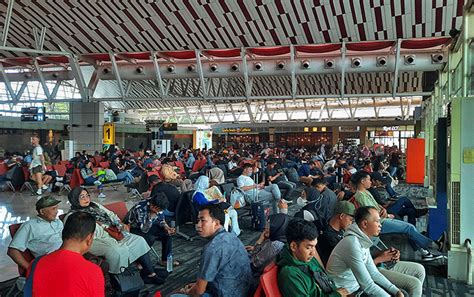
(204, 195)
(217, 174)
(270, 242)
(118, 253)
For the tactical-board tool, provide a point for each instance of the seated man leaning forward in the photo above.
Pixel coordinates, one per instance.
(351, 264)
(224, 269)
(40, 235)
(300, 273)
(65, 272)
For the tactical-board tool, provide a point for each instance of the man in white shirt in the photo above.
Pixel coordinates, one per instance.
(258, 192)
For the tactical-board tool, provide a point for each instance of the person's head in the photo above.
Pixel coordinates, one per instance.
(368, 220)
(376, 178)
(276, 226)
(271, 163)
(202, 183)
(248, 169)
(47, 208)
(34, 139)
(302, 237)
(153, 180)
(158, 202)
(88, 164)
(210, 218)
(344, 214)
(361, 180)
(312, 164)
(79, 198)
(319, 184)
(79, 228)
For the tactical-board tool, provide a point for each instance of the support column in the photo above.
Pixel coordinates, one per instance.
(335, 135)
(363, 135)
(86, 121)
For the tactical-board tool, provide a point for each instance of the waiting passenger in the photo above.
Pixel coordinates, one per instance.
(119, 252)
(65, 272)
(225, 266)
(120, 171)
(147, 219)
(258, 192)
(351, 264)
(277, 176)
(90, 178)
(390, 225)
(40, 235)
(204, 195)
(270, 243)
(300, 273)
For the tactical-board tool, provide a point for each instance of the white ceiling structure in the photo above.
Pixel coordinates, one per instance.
(226, 61)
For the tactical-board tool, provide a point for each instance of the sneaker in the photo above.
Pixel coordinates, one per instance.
(44, 187)
(101, 195)
(287, 201)
(301, 202)
(39, 192)
(442, 242)
(97, 183)
(428, 256)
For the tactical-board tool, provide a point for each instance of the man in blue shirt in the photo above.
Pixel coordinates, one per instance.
(306, 176)
(224, 265)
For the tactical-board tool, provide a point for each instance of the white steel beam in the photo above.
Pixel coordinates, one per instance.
(395, 74)
(249, 110)
(158, 79)
(117, 75)
(201, 73)
(42, 81)
(202, 114)
(81, 84)
(6, 24)
(233, 112)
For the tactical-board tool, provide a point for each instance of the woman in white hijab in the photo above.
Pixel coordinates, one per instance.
(204, 195)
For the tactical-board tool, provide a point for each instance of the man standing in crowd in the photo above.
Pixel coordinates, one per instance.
(65, 272)
(40, 235)
(224, 265)
(37, 165)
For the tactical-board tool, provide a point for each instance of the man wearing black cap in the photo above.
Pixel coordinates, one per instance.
(40, 235)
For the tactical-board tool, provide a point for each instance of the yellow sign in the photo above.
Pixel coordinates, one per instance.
(109, 133)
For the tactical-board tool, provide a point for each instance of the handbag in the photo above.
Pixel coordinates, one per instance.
(322, 279)
(128, 281)
(237, 198)
(114, 232)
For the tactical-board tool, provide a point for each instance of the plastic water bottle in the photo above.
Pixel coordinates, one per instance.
(169, 262)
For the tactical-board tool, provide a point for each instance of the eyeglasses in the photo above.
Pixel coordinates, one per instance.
(84, 196)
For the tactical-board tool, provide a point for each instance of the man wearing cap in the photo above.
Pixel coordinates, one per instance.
(334, 231)
(40, 235)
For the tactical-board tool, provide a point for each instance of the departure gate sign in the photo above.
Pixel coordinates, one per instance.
(109, 133)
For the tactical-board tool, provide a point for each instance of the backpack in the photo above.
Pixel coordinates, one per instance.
(237, 198)
(101, 176)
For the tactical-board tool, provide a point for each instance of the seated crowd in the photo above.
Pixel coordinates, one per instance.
(345, 200)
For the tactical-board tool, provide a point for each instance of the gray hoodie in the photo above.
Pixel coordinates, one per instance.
(351, 266)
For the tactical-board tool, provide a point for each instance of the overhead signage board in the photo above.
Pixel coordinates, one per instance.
(109, 133)
(236, 130)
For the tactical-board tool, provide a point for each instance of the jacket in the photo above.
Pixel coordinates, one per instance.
(292, 281)
(352, 267)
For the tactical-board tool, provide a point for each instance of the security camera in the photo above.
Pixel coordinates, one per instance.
(328, 63)
(107, 70)
(381, 61)
(140, 70)
(234, 67)
(191, 67)
(171, 68)
(214, 67)
(281, 65)
(410, 59)
(356, 62)
(258, 66)
(437, 58)
(55, 74)
(305, 64)
(27, 75)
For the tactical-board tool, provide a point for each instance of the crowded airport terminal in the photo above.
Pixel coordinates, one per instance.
(236, 148)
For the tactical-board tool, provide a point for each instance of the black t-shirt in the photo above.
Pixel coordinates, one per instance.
(272, 172)
(376, 194)
(327, 242)
(171, 193)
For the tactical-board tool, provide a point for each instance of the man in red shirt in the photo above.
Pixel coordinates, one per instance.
(65, 272)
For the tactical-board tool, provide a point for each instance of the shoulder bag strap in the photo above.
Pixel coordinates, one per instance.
(28, 289)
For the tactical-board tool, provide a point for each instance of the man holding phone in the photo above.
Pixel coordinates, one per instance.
(277, 176)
